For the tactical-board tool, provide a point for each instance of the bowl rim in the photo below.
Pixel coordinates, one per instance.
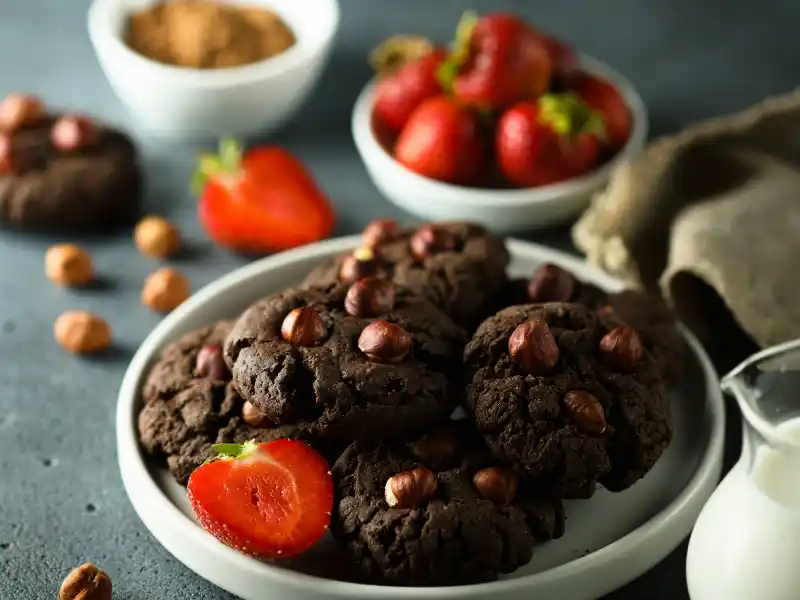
(139, 483)
(371, 151)
(106, 40)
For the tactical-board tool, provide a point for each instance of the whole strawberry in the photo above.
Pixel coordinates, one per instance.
(399, 93)
(498, 59)
(442, 140)
(601, 96)
(269, 500)
(544, 142)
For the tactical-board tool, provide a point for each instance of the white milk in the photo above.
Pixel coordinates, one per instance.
(746, 543)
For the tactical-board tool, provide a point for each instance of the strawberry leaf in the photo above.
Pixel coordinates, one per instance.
(451, 66)
(398, 51)
(567, 114)
(232, 450)
(226, 162)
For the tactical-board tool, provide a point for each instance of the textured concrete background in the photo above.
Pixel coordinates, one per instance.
(61, 498)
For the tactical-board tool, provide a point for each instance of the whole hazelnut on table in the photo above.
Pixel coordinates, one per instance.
(72, 132)
(82, 332)
(379, 231)
(586, 412)
(17, 110)
(210, 364)
(86, 582)
(165, 290)
(68, 265)
(363, 262)
(303, 327)
(497, 485)
(550, 283)
(370, 297)
(385, 342)
(156, 237)
(410, 489)
(431, 239)
(533, 347)
(253, 416)
(621, 349)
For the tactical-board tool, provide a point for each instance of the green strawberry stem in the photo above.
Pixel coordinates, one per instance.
(227, 161)
(392, 54)
(450, 67)
(233, 450)
(568, 114)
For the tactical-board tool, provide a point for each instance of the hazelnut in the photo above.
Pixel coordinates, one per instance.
(156, 237)
(17, 110)
(210, 364)
(410, 489)
(6, 149)
(73, 132)
(363, 262)
(431, 239)
(385, 342)
(497, 485)
(82, 332)
(87, 582)
(253, 416)
(586, 412)
(379, 231)
(550, 283)
(303, 327)
(533, 347)
(439, 446)
(370, 297)
(165, 289)
(621, 349)
(68, 265)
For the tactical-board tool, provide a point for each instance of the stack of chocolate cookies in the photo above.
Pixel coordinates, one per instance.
(563, 387)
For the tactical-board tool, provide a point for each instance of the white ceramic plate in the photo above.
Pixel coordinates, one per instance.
(610, 539)
(503, 211)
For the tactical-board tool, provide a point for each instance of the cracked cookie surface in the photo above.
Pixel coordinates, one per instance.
(525, 421)
(332, 390)
(184, 415)
(459, 281)
(456, 537)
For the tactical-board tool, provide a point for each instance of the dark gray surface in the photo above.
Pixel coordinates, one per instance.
(61, 499)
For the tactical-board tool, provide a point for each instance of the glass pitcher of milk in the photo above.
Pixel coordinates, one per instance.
(746, 542)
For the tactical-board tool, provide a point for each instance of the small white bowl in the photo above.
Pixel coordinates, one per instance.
(504, 211)
(204, 103)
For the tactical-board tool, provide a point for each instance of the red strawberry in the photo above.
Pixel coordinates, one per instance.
(262, 201)
(397, 95)
(268, 500)
(603, 97)
(565, 62)
(497, 60)
(548, 141)
(442, 141)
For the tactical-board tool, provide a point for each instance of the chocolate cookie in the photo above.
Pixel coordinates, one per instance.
(455, 265)
(567, 398)
(190, 404)
(654, 320)
(43, 187)
(369, 361)
(407, 522)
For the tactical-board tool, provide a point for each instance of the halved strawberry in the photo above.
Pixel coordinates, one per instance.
(269, 500)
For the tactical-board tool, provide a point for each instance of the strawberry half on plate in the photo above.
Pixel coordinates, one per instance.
(269, 500)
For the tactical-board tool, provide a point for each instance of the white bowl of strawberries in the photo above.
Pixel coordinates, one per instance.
(507, 126)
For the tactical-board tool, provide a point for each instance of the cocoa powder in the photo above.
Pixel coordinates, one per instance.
(202, 34)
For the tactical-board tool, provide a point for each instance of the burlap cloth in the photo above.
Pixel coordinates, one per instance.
(712, 216)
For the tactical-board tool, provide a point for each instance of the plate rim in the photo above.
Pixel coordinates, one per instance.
(156, 511)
